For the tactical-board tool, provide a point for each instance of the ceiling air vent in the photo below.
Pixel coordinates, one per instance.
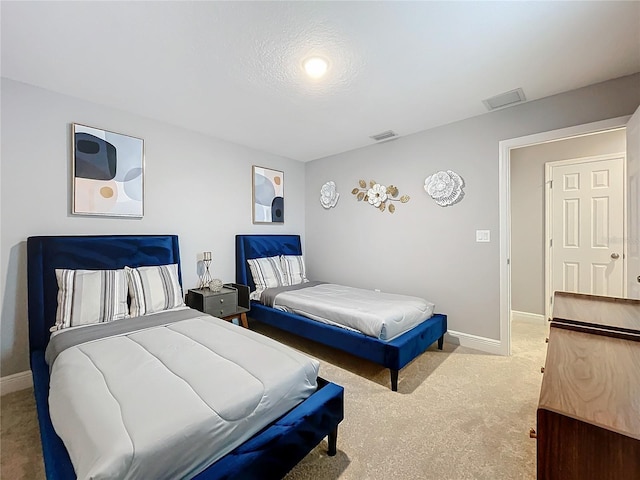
(504, 99)
(388, 135)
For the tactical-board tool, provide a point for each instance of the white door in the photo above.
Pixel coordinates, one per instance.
(587, 226)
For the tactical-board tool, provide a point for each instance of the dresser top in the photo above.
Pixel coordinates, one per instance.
(593, 378)
(607, 312)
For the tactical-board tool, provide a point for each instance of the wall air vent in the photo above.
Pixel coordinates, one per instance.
(505, 99)
(388, 135)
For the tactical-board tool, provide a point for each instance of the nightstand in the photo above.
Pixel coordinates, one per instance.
(226, 304)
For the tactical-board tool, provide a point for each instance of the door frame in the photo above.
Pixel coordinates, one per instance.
(548, 166)
(504, 169)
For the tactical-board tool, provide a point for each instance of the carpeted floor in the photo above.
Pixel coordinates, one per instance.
(458, 414)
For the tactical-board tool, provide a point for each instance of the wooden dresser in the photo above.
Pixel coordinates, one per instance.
(588, 418)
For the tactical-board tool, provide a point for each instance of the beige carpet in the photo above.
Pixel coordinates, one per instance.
(458, 414)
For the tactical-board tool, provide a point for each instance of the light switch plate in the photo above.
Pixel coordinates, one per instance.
(483, 235)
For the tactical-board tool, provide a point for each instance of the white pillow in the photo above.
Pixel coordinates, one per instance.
(154, 289)
(86, 297)
(293, 268)
(266, 273)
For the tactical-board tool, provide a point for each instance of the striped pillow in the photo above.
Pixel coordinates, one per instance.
(154, 289)
(90, 296)
(266, 273)
(293, 268)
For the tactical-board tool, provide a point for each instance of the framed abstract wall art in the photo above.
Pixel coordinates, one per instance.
(268, 195)
(108, 173)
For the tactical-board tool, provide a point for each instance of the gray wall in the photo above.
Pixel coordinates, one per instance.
(195, 186)
(200, 188)
(633, 203)
(528, 209)
(427, 250)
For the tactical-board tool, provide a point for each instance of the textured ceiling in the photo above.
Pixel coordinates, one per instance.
(233, 70)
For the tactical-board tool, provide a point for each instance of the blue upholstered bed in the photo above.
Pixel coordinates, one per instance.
(394, 354)
(269, 454)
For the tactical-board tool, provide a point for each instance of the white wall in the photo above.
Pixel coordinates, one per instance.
(427, 250)
(195, 186)
(528, 209)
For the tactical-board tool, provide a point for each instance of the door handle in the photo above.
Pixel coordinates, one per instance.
(615, 256)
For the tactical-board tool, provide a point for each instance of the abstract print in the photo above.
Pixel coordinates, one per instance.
(108, 175)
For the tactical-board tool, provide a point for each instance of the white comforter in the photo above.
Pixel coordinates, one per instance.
(376, 314)
(167, 401)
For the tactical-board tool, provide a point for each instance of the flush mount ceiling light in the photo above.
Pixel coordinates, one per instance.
(315, 67)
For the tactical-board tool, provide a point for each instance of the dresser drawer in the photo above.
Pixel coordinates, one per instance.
(222, 304)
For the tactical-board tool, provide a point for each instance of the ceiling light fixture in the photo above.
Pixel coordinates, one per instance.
(315, 67)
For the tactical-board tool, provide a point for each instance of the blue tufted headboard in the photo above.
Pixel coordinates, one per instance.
(258, 246)
(97, 252)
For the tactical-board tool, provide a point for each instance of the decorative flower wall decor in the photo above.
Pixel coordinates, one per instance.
(378, 195)
(445, 187)
(329, 195)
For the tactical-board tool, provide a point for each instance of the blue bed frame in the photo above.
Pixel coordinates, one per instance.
(270, 453)
(393, 355)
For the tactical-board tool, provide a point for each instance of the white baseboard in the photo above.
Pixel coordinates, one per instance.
(528, 317)
(15, 382)
(483, 344)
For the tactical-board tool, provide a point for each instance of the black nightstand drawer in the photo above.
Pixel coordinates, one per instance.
(218, 304)
(222, 304)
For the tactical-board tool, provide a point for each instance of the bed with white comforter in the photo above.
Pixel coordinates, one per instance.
(153, 397)
(392, 340)
(377, 314)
